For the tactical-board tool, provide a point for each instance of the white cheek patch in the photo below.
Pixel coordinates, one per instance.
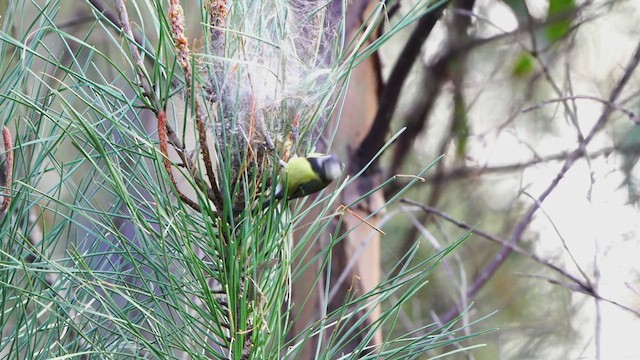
(334, 169)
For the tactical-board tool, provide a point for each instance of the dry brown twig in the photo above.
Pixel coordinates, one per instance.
(342, 208)
(162, 139)
(125, 25)
(166, 133)
(183, 53)
(7, 169)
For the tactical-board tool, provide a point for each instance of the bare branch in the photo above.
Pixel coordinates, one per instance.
(437, 73)
(143, 77)
(183, 53)
(470, 171)
(7, 169)
(392, 90)
(431, 210)
(564, 243)
(523, 224)
(168, 133)
(114, 21)
(162, 139)
(576, 284)
(632, 116)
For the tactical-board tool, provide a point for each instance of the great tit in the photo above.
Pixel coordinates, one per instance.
(306, 175)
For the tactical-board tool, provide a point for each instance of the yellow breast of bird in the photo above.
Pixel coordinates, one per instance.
(298, 177)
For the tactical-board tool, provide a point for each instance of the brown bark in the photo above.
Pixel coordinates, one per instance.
(356, 259)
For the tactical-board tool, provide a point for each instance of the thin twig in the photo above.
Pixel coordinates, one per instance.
(431, 210)
(436, 73)
(113, 21)
(167, 129)
(143, 77)
(598, 308)
(7, 168)
(123, 15)
(524, 222)
(206, 156)
(584, 287)
(470, 171)
(162, 139)
(183, 53)
(594, 294)
(343, 208)
(632, 116)
(563, 241)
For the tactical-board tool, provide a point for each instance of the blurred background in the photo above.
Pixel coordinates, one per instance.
(524, 104)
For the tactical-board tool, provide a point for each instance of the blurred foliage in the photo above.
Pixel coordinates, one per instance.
(629, 163)
(557, 9)
(524, 65)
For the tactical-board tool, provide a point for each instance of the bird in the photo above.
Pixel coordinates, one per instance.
(305, 175)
